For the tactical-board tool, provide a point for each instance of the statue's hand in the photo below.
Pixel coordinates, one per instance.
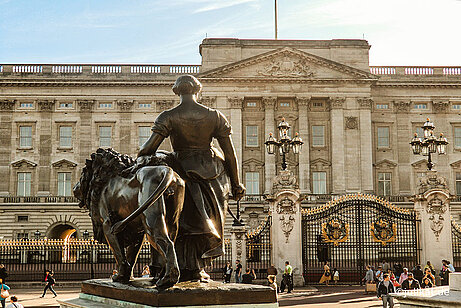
(238, 191)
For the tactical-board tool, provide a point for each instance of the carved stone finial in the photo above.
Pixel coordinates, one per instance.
(45, 105)
(365, 102)
(337, 102)
(235, 102)
(440, 106)
(7, 105)
(125, 105)
(86, 105)
(402, 106)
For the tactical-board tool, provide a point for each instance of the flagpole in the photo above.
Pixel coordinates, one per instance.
(275, 19)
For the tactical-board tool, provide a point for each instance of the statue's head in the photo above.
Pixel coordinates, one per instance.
(187, 84)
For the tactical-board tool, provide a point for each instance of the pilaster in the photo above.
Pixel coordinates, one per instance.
(337, 144)
(239, 250)
(44, 144)
(269, 127)
(236, 104)
(304, 160)
(366, 144)
(125, 125)
(6, 129)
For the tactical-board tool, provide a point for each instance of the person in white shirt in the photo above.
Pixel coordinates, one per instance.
(14, 303)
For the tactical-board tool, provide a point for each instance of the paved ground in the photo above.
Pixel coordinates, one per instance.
(333, 296)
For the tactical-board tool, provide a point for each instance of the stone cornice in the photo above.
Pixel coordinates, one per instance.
(73, 83)
(286, 80)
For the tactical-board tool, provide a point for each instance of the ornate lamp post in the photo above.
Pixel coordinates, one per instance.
(284, 144)
(429, 144)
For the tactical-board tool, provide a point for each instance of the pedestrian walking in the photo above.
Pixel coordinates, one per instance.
(379, 274)
(287, 278)
(410, 283)
(50, 281)
(3, 273)
(326, 277)
(145, 271)
(369, 279)
(335, 274)
(385, 288)
(238, 271)
(14, 303)
(444, 275)
(227, 271)
(4, 293)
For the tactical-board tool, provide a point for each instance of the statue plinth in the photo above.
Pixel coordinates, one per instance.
(101, 292)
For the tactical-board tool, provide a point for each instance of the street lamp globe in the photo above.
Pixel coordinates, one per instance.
(297, 144)
(428, 128)
(285, 142)
(442, 144)
(283, 128)
(416, 145)
(270, 144)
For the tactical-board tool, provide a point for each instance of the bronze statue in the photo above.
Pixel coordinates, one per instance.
(147, 201)
(209, 176)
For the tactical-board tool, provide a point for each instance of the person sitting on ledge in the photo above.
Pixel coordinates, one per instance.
(410, 283)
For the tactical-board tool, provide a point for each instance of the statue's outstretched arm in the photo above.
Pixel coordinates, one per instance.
(151, 145)
(238, 190)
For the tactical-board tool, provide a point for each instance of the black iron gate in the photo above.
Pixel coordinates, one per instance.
(456, 242)
(259, 248)
(354, 231)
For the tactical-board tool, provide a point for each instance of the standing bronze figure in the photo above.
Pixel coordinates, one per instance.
(209, 176)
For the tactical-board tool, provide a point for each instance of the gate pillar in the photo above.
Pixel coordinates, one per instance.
(239, 250)
(432, 205)
(285, 206)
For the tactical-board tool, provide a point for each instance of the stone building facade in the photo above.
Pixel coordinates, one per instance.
(356, 122)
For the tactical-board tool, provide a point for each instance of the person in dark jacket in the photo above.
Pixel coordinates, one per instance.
(410, 283)
(249, 276)
(227, 270)
(418, 273)
(49, 283)
(3, 273)
(385, 288)
(426, 283)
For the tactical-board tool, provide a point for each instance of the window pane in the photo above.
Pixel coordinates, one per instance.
(144, 134)
(25, 136)
(383, 137)
(318, 135)
(24, 183)
(420, 132)
(105, 134)
(252, 183)
(252, 136)
(319, 183)
(384, 184)
(457, 136)
(64, 185)
(65, 136)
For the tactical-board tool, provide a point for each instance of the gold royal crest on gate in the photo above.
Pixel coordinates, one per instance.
(335, 231)
(383, 231)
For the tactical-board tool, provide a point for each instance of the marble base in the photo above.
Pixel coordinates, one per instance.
(140, 293)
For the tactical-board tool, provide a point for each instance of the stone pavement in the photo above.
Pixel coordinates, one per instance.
(319, 296)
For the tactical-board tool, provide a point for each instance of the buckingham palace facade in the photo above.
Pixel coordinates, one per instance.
(356, 121)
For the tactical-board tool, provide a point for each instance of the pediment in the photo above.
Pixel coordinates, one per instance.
(252, 164)
(422, 163)
(456, 164)
(288, 63)
(23, 163)
(64, 163)
(385, 164)
(320, 162)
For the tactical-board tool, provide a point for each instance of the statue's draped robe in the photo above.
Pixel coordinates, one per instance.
(201, 224)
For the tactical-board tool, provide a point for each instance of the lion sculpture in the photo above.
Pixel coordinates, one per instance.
(143, 201)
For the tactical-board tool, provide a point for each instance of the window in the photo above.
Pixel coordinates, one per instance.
(252, 183)
(383, 137)
(458, 184)
(456, 106)
(384, 183)
(251, 104)
(252, 136)
(25, 136)
(64, 186)
(420, 132)
(144, 134)
(105, 136)
(285, 104)
(24, 182)
(458, 137)
(317, 104)
(319, 183)
(145, 105)
(23, 218)
(318, 135)
(105, 105)
(382, 106)
(66, 105)
(420, 106)
(26, 105)
(65, 136)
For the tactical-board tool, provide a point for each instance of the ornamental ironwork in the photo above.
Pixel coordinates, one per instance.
(383, 231)
(335, 231)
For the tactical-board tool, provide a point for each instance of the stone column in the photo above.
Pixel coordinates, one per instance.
(432, 204)
(44, 145)
(366, 145)
(125, 125)
(85, 130)
(236, 104)
(239, 249)
(269, 160)
(337, 144)
(6, 147)
(285, 206)
(404, 155)
(304, 168)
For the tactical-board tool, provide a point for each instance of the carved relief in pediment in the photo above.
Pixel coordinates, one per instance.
(286, 67)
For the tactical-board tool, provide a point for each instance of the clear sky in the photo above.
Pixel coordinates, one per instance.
(401, 32)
